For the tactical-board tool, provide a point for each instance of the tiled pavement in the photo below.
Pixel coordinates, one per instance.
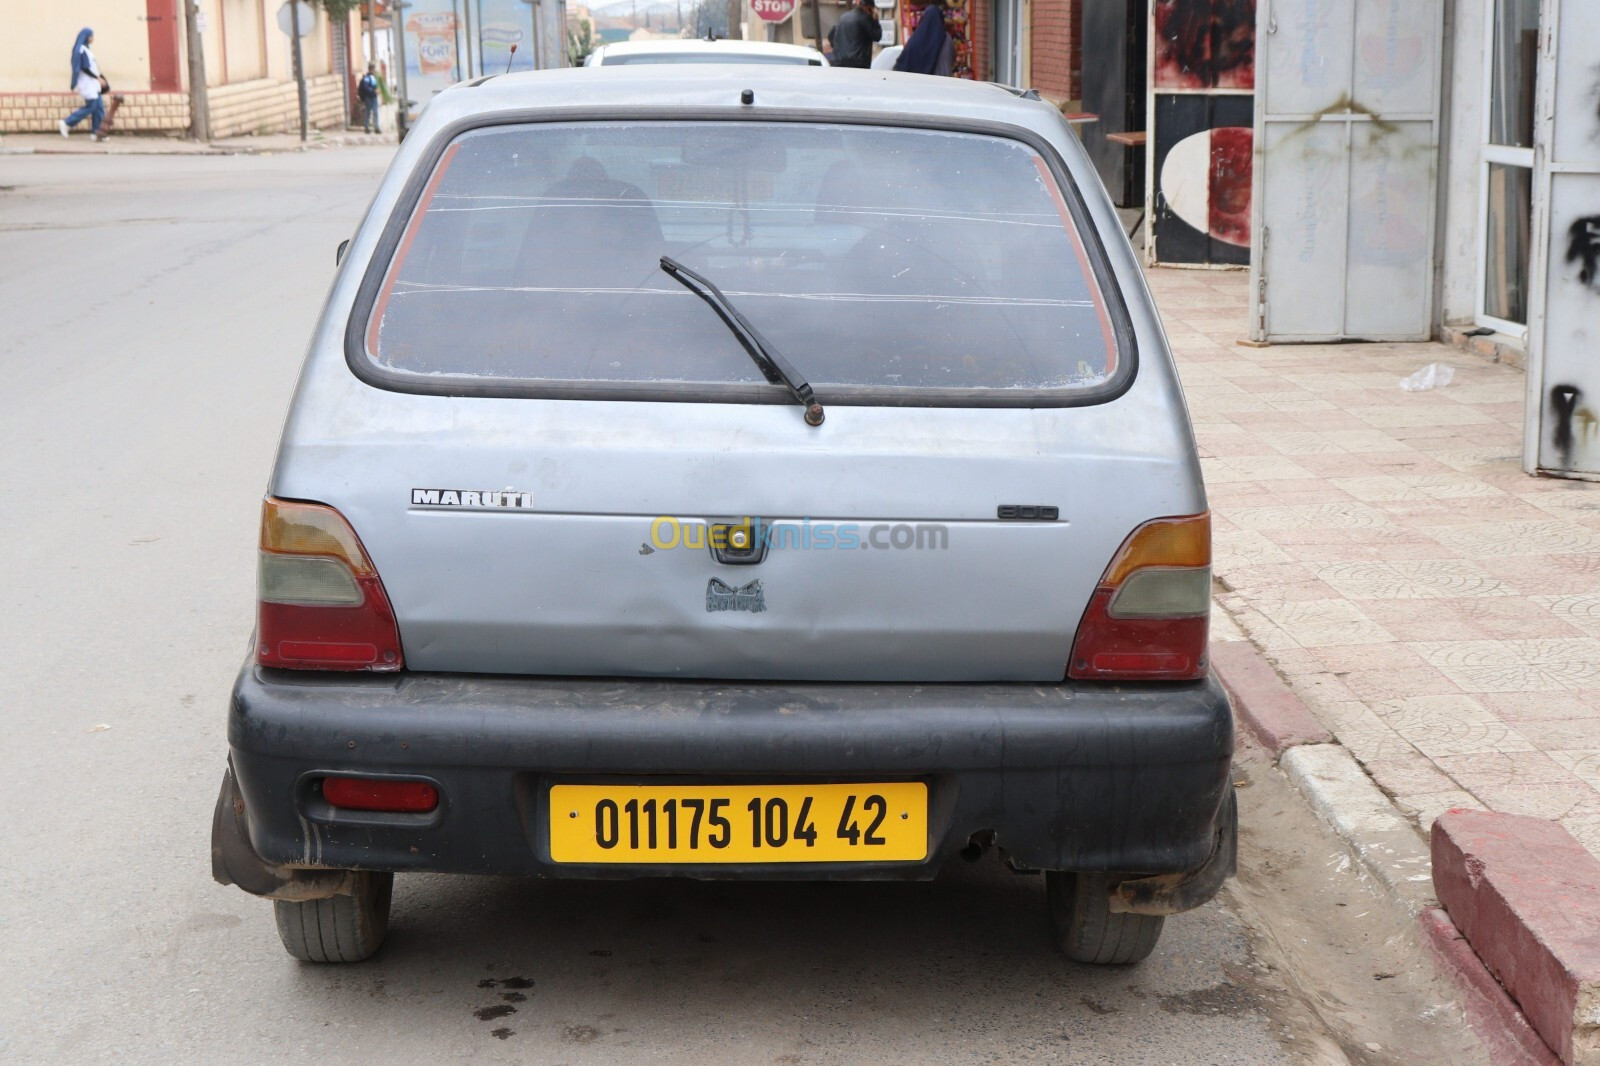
(1437, 608)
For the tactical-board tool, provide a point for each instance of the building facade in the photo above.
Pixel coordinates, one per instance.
(140, 46)
(1519, 217)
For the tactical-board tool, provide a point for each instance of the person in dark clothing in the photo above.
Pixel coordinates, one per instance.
(853, 36)
(925, 51)
(367, 90)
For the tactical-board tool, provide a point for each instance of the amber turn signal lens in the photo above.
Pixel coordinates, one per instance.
(1170, 542)
(292, 528)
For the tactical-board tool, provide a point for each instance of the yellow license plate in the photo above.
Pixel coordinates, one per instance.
(739, 823)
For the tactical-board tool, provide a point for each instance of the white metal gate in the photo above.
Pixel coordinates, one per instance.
(1346, 134)
(1563, 408)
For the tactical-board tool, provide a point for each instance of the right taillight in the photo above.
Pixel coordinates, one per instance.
(320, 603)
(1149, 618)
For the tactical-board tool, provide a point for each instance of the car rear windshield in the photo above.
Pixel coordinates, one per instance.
(887, 264)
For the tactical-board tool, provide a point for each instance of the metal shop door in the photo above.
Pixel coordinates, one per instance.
(1347, 134)
(1563, 408)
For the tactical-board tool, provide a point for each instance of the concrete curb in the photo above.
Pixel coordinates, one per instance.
(176, 146)
(1335, 785)
(1342, 794)
(1526, 895)
(1494, 1017)
(1386, 844)
(1261, 700)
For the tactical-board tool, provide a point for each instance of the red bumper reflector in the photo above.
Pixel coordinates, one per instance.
(293, 652)
(377, 794)
(1133, 663)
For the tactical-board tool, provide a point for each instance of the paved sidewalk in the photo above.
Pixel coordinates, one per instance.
(1438, 609)
(80, 143)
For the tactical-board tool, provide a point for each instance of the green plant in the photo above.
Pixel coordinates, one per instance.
(580, 42)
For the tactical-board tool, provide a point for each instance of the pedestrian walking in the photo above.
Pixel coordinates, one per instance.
(367, 90)
(853, 36)
(929, 49)
(88, 83)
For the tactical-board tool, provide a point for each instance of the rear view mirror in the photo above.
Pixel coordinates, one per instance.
(338, 257)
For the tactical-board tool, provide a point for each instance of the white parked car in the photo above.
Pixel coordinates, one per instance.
(705, 50)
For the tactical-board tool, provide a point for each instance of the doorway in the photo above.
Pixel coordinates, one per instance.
(1505, 178)
(1007, 21)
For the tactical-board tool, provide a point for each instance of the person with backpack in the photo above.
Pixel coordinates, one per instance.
(367, 91)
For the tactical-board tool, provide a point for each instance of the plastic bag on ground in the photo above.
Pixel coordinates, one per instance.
(1432, 376)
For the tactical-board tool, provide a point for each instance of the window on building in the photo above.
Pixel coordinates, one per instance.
(1507, 164)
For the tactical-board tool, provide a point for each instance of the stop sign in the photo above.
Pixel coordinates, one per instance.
(773, 10)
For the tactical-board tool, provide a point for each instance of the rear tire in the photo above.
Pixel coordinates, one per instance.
(1085, 928)
(340, 928)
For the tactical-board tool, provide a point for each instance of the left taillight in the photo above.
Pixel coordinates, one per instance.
(320, 604)
(1149, 619)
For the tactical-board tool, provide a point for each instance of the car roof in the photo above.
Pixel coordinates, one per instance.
(648, 88)
(722, 46)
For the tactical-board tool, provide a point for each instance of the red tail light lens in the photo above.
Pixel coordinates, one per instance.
(1150, 617)
(380, 794)
(320, 603)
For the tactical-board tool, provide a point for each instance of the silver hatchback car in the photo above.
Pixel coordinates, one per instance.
(723, 472)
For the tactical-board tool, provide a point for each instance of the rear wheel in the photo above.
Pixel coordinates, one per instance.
(1085, 928)
(340, 928)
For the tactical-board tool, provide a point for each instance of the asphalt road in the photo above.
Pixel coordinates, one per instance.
(153, 311)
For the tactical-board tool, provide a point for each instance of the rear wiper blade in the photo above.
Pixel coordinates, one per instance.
(773, 365)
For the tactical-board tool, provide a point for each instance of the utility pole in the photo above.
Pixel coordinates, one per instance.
(538, 41)
(299, 67)
(736, 20)
(199, 112)
(403, 113)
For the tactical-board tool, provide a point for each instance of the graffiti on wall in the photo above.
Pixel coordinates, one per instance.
(1583, 246)
(1573, 424)
(1205, 44)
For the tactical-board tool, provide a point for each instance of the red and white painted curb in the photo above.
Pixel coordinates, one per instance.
(1526, 895)
(1519, 934)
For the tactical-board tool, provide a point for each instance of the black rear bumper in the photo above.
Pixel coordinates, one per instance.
(1064, 777)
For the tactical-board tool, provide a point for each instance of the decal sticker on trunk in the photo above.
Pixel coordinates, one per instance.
(721, 596)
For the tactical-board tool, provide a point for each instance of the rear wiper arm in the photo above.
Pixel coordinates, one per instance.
(773, 365)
